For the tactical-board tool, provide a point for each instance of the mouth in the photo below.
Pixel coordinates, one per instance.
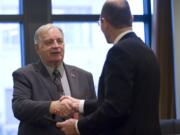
(55, 53)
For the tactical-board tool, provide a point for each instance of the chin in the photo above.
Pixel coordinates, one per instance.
(108, 41)
(56, 62)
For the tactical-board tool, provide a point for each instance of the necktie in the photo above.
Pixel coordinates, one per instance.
(57, 81)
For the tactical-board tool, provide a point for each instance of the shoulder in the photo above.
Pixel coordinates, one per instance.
(25, 70)
(76, 69)
(130, 44)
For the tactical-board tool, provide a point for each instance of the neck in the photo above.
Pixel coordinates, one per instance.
(53, 65)
(116, 32)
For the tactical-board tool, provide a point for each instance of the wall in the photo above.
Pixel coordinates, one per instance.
(176, 38)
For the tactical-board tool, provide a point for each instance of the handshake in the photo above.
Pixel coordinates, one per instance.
(66, 106)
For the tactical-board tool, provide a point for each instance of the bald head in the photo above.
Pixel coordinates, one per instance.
(117, 2)
(117, 13)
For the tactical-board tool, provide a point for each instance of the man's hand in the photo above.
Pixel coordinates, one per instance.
(62, 108)
(75, 103)
(68, 127)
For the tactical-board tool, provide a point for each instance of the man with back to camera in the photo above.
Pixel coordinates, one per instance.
(129, 85)
(37, 89)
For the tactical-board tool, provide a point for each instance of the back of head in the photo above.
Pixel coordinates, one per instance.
(118, 13)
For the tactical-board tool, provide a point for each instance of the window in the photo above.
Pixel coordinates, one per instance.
(9, 7)
(89, 7)
(77, 7)
(10, 59)
(152, 6)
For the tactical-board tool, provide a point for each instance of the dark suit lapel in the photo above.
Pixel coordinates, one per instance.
(47, 81)
(72, 77)
(39, 67)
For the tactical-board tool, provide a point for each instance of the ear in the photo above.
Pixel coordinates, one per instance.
(105, 23)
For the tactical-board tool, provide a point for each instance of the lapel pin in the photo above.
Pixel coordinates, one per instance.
(73, 75)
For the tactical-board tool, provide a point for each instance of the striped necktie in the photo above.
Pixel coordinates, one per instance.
(57, 81)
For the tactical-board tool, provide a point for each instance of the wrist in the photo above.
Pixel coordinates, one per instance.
(52, 107)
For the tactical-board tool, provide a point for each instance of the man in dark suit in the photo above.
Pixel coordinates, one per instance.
(36, 95)
(128, 92)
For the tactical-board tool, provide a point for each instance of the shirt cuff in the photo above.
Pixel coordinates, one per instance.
(76, 126)
(81, 106)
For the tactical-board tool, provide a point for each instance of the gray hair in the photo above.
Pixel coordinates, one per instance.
(42, 29)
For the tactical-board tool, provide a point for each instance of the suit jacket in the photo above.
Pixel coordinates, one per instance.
(128, 92)
(33, 92)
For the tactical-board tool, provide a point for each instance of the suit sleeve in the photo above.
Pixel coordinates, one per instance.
(24, 108)
(117, 94)
(90, 106)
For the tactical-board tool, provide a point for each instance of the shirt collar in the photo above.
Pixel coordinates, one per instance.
(50, 70)
(121, 35)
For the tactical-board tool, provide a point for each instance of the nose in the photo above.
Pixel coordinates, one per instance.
(56, 44)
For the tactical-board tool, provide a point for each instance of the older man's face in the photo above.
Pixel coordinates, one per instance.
(51, 47)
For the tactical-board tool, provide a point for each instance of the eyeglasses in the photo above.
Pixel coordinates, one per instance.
(100, 21)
